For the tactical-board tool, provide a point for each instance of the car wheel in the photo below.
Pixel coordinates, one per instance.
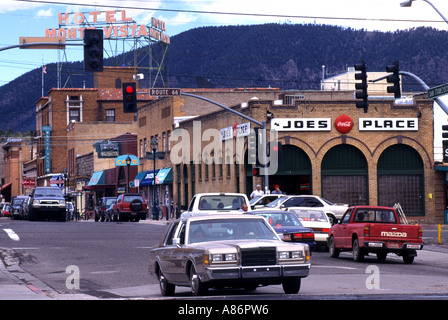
(166, 288)
(291, 285)
(408, 259)
(358, 254)
(198, 288)
(334, 253)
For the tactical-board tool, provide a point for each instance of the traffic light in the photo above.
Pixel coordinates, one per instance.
(256, 171)
(276, 152)
(394, 78)
(361, 86)
(129, 97)
(93, 50)
(445, 143)
(255, 141)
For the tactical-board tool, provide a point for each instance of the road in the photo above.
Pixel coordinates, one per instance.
(101, 260)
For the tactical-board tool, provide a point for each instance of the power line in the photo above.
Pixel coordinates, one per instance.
(267, 15)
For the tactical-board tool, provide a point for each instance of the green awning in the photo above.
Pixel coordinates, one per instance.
(165, 176)
(97, 178)
(140, 176)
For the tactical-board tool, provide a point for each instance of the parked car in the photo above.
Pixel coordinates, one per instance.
(209, 203)
(232, 250)
(318, 221)
(261, 201)
(109, 212)
(103, 204)
(17, 207)
(6, 209)
(130, 207)
(46, 202)
(288, 226)
(333, 211)
(70, 211)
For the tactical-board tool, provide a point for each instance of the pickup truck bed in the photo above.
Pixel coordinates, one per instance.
(378, 230)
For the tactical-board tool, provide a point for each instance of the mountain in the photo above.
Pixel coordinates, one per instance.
(277, 55)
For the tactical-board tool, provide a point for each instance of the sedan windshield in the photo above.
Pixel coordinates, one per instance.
(230, 229)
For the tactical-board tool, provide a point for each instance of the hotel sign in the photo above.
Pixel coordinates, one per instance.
(115, 24)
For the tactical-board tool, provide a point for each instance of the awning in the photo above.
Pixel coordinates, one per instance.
(96, 179)
(148, 179)
(140, 176)
(5, 186)
(165, 176)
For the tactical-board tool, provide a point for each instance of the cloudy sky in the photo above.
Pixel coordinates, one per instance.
(31, 19)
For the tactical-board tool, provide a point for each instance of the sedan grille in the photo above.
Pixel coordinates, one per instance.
(262, 256)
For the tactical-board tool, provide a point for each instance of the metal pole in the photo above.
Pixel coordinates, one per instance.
(423, 84)
(154, 204)
(261, 124)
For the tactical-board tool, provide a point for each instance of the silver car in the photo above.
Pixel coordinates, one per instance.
(217, 251)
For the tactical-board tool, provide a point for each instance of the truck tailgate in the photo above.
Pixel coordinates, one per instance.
(395, 233)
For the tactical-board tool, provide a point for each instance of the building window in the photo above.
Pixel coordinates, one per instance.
(117, 83)
(74, 115)
(110, 115)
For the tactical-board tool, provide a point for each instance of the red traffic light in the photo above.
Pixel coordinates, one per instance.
(129, 89)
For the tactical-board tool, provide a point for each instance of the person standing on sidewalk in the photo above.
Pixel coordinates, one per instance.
(257, 192)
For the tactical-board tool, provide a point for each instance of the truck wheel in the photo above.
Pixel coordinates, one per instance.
(408, 259)
(334, 253)
(291, 285)
(358, 254)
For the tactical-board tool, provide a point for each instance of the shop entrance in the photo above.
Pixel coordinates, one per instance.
(294, 174)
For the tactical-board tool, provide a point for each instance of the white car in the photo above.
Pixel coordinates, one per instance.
(208, 203)
(261, 201)
(317, 220)
(333, 211)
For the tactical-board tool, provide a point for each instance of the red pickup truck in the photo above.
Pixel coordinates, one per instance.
(379, 230)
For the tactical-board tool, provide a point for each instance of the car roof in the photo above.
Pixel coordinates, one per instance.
(215, 216)
(220, 194)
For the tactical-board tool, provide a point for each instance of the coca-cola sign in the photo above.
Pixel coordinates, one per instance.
(343, 124)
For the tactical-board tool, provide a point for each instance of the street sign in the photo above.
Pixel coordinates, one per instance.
(165, 92)
(438, 91)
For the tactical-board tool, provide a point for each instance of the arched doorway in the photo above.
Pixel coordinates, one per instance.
(401, 179)
(345, 175)
(294, 174)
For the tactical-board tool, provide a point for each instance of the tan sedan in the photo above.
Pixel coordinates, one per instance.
(218, 251)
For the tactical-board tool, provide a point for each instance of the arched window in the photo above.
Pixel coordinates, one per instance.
(345, 175)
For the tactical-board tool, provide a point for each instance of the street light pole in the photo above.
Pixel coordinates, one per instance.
(408, 3)
(128, 164)
(155, 209)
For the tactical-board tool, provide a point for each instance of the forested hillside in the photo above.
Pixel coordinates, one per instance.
(276, 55)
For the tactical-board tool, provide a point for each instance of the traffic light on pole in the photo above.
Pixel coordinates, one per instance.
(362, 94)
(93, 50)
(276, 152)
(395, 79)
(256, 171)
(129, 97)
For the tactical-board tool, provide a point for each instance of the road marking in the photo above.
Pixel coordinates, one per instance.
(12, 234)
(333, 267)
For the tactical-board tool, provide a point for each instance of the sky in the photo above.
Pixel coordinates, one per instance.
(31, 18)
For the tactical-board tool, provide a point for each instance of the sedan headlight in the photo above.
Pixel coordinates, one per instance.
(288, 255)
(223, 258)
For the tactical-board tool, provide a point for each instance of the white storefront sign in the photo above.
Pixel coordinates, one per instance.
(388, 124)
(242, 130)
(301, 124)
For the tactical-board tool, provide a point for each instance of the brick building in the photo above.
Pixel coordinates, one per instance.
(330, 148)
(78, 117)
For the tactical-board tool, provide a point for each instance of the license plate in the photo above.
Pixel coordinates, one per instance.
(287, 237)
(393, 244)
(413, 246)
(133, 213)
